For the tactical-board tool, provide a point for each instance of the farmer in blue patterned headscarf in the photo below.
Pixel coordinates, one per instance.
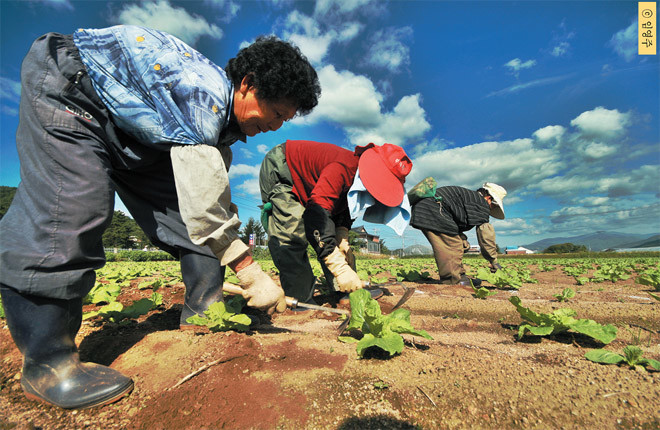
(136, 111)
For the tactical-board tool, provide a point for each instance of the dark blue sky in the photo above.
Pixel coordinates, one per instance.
(548, 99)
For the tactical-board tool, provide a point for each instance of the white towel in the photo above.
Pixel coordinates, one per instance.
(361, 203)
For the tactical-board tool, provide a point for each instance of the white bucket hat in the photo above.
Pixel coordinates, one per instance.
(497, 193)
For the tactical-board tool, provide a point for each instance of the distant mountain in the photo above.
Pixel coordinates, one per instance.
(599, 241)
(646, 243)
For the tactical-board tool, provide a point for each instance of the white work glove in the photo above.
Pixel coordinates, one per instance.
(347, 280)
(259, 290)
(341, 234)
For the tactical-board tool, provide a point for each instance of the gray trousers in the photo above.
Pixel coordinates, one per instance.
(286, 232)
(448, 251)
(73, 159)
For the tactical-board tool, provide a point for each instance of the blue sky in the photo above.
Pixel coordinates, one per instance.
(548, 99)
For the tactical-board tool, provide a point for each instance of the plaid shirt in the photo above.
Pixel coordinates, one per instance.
(157, 88)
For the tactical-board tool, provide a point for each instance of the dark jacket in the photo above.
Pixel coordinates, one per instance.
(460, 210)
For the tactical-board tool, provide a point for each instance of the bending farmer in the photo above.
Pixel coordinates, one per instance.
(445, 213)
(139, 112)
(311, 189)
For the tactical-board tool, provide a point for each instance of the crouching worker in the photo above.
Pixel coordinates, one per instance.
(139, 112)
(312, 191)
(443, 214)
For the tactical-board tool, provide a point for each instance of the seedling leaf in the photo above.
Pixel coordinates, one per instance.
(224, 316)
(604, 356)
(559, 321)
(382, 331)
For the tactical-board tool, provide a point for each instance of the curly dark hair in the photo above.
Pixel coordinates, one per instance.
(280, 72)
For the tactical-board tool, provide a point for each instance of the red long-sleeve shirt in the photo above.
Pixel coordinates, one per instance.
(322, 173)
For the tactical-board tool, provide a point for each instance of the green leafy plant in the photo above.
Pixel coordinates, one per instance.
(378, 330)
(224, 316)
(565, 295)
(503, 278)
(482, 292)
(560, 321)
(655, 296)
(651, 279)
(103, 293)
(115, 311)
(632, 356)
(380, 385)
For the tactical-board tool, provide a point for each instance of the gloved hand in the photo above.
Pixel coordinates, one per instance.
(347, 280)
(259, 290)
(342, 243)
(495, 267)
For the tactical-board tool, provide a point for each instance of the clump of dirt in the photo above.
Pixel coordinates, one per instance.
(293, 373)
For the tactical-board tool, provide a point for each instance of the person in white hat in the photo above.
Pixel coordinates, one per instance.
(443, 214)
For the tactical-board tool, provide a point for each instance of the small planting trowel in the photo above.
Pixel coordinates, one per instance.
(291, 302)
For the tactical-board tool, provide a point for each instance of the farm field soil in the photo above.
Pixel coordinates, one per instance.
(293, 373)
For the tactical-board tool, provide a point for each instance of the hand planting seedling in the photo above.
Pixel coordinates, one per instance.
(380, 331)
(565, 295)
(632, 356)
(560, 321)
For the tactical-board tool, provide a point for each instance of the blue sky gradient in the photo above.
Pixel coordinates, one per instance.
(548, 99)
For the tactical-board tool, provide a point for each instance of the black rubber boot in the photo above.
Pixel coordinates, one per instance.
(203, 277)
(44, 330)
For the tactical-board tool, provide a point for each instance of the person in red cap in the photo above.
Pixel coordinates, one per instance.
(305, 187)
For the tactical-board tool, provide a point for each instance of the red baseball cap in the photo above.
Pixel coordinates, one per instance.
(383, 171)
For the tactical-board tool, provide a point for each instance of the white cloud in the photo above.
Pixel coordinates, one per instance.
(338, 6)
(262, 149)
(531, 84)
(472, 165)
(572, 188)
(516, 65)
(353, 102)
(560, 50)
(644, 179)
(597, 150)
(387, 51)
(244, 170)
(250, 187)
(348, 99)
(227, 7)
(307, 33)
(176, 21)
(619, 214)
(594, 201)
(58, 4)
(9, 111)
(10, 90)
(549, 133)
(512, 226)
(624, 42)
(601, 122)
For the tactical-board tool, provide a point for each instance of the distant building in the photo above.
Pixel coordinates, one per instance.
(368, 243)
(474, 249)
(517, 250)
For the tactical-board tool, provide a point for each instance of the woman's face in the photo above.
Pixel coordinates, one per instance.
(256, 116)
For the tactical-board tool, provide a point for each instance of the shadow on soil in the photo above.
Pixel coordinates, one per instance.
(105, 345)
(375, 422)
